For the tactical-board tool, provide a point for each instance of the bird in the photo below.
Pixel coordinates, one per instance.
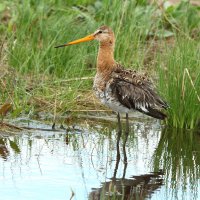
(122, 90)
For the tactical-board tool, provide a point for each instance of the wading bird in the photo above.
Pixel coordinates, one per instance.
(121, 89)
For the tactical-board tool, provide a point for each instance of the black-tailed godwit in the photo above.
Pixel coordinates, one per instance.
(120, 89)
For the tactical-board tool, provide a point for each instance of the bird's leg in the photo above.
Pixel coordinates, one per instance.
(124, 145)
(119, 123)
(127, 124)
(125, 156)
(118, 155)
(53, 127)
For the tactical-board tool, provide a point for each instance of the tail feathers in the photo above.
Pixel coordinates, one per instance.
(154, 113)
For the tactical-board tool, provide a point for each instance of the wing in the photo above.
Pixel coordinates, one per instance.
(135, 91)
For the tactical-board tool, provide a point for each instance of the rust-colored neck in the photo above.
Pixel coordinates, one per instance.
(105, 59)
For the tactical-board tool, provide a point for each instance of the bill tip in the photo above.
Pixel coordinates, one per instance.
(63, 45)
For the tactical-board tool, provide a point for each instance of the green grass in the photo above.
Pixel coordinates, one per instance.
(180, 82)
(33, 28)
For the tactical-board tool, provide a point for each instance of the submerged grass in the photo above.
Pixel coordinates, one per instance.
(44, 78)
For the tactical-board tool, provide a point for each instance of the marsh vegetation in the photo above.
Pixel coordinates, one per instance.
(160, 39)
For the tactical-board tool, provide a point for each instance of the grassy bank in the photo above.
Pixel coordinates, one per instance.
(36, 77)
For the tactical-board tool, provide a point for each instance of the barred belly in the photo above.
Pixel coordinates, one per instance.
(110, 101)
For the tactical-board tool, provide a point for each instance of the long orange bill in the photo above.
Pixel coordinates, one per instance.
(85, 39)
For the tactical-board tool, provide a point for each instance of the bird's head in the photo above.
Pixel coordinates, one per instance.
(104, 35)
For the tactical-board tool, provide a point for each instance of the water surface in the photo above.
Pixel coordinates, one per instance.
(94, 162)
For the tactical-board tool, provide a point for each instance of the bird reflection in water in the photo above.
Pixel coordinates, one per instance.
(135, 187)
(4, 153)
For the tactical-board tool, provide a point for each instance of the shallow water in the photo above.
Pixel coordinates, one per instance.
(94, 162)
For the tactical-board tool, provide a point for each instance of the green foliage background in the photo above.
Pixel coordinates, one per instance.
(160, 39)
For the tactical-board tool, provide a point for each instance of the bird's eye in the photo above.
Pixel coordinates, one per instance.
(100, 32)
